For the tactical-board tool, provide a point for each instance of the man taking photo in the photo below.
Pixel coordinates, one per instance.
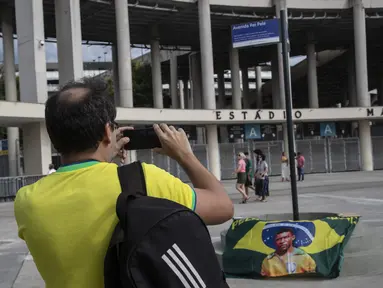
(67, 218)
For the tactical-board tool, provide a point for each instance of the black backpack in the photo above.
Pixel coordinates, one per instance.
(158, 243)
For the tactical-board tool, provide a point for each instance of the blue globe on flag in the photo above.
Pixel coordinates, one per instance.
(304, 233)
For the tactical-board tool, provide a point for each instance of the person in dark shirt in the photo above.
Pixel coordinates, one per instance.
(249, 173)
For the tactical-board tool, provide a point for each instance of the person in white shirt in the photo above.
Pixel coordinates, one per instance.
(51, 169)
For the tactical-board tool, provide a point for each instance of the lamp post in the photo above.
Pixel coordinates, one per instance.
(289, 108)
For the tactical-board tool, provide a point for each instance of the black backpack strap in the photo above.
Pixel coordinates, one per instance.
(132, 180)
(133, 185)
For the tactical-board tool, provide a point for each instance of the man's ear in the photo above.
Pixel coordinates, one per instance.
(107, 134)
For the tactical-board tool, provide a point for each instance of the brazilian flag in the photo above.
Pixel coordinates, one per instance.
(256, 248)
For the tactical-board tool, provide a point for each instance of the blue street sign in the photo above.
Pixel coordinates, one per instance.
(253, 131)
(258, 33)
(4, 147)
(4, 144)
(327, 129)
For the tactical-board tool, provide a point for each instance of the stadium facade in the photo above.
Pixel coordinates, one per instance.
(205, 27)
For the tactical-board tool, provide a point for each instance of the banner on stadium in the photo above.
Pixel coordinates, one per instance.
(256, 248)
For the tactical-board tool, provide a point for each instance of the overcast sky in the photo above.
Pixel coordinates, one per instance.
(99, 53)
(90, 53)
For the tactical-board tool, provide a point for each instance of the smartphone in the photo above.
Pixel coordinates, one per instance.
(142, 139)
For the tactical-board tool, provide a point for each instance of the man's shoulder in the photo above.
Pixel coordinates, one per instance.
(51, 180)
(151, 170)
(24, 195)
(21, 193)
(25, 190)
(158, 175)
(162, 184)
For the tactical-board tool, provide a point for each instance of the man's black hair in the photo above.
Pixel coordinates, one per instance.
(246, 153)
(51, 166)
(284, 230)
(258, 151)
(76, 115)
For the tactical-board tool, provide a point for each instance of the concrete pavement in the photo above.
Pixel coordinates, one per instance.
(356, 192)
(12, 249)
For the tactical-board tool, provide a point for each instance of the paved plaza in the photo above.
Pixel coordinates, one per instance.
(355, 192)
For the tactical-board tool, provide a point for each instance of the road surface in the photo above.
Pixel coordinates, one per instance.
(354, 192)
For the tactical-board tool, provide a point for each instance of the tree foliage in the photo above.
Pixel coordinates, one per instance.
(142, 85)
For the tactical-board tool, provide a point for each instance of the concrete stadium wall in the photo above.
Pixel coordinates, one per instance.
(294, 4)
(19, 113)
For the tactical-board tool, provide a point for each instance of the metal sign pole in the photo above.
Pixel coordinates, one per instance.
(289, 108)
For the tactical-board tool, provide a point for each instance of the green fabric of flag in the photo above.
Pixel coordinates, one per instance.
(256, 248)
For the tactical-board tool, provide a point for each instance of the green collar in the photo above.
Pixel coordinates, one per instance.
(77, 165)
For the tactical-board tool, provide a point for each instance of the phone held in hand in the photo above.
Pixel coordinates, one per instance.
(141, 139)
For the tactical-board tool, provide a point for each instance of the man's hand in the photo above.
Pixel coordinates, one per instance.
(175, 143)
(213, 203)
(121, 141)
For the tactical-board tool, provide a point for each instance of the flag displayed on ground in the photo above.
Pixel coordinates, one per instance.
(256, 248)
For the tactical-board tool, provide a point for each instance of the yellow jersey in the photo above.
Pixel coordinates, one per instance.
(296, 262)
(67, 218)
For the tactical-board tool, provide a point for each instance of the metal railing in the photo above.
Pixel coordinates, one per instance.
(322, 156)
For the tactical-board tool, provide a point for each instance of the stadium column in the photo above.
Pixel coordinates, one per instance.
(124, 58)
(10, 87)
(352, 86)
(351, 77)
(245, 87)
(69, 40)
(258, 75)
(196, 89)
(221, 87)
(185, 85)
(345, 101)
(116, 76)
(208, 88)
(380, 86)
(235, 80)
(279, 59)
(156, 69)
(181, 94)
(174, 80)
(194, 80)
(363, 96)
(275, 80)
(222, 99)
(33, 82)
(312, 74)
